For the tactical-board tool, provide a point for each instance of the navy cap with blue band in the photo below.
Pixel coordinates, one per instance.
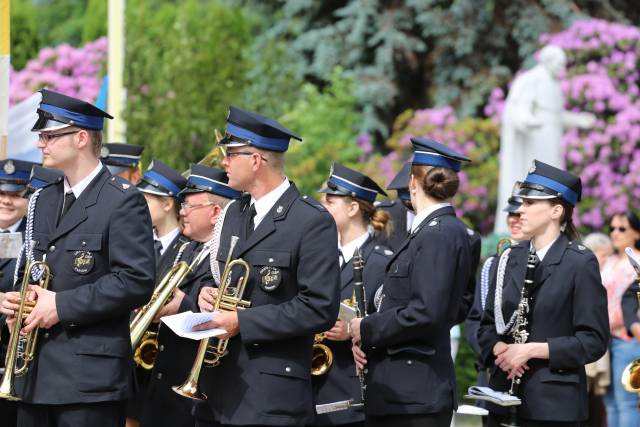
(15, 174)
(161, 180)
(547, 182)
(249, 128)
(57, 111)
(428, 152)
(348, 182)
(211, 180)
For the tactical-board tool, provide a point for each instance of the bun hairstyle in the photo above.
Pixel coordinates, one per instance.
(436, 182)
(379, 219)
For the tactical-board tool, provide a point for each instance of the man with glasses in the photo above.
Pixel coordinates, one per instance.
(205, 195)
(94, 232)
(290, 241)
(14, 177)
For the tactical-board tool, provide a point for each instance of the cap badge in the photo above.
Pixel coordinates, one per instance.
(9, 167)
(532, 169)
(104, 152)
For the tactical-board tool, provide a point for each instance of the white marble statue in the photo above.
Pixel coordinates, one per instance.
(533, 122)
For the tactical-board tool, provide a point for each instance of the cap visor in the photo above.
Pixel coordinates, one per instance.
(530, 193)
(12, 187)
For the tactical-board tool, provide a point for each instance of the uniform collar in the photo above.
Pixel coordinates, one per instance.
(543, 251)
(425, 213)
(84, 183)
(348, 249)
(266, 202)
(167, 239)
(12, 228)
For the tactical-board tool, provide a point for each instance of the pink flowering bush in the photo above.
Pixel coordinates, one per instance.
(66, 69)
(476, 138)
(602, 78)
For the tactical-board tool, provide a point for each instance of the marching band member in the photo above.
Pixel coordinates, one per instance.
(290, 241)
(567, 308)
(122, 160)
(205, 195)
(95, 231)
(160, 186)
(405, 345)
(349, 198)
(14, 177)
(472, 323)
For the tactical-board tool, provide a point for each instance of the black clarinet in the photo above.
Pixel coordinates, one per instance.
(520, 333)
(360, 306)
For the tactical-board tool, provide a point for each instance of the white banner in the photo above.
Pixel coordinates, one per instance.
(22, 142)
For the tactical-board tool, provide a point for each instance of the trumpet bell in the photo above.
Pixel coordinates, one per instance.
(631, 377)
(190, 389)
(321, 359)
(145, 353)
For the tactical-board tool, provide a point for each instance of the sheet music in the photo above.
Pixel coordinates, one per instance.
(182, 324)
(10, 245)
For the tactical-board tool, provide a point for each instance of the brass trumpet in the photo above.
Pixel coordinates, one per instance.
(321, 354)
(228, 298)
(143, 341)
(23, 347)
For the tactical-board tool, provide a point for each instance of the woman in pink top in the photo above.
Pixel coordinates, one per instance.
(617, 274)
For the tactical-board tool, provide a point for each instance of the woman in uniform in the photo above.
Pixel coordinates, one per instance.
(566, 324)
(405, 346)
(349, 196)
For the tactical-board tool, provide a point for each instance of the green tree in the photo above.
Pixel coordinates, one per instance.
(24, 36)
(186, 65)
(328, 124)
(95, 20)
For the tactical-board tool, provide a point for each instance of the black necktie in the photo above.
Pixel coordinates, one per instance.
(250, 222)
(157, 246)
(69, 198)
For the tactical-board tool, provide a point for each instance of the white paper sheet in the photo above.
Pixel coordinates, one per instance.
(182, 324)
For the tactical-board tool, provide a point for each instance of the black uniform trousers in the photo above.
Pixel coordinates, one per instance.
(495, 420)
(101, 414)
(439, 419)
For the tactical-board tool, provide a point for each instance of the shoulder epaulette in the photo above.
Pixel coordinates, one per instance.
(312, 202)
(121, 184)
(383, 250)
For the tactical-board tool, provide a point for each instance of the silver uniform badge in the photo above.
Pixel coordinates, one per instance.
(532, 169)
(9, 167)
(104, 152)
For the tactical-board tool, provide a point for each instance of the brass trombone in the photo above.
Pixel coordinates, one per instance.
(228, 298)
(23, 347)
(143, 341)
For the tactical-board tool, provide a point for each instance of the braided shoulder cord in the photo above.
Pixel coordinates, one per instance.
(180, 252)
(501, 328)
(484, 280)
(27, 245)
(214, 248)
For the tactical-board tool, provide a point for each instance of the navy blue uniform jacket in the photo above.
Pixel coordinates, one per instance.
(407, 343)
(266, 377)
(87, 356)
(569, 314)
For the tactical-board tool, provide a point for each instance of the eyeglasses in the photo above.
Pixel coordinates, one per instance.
(229, 154)
(188, 207)
(46, 138)
(620, 229)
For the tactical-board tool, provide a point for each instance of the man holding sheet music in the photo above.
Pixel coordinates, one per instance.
(290, 241)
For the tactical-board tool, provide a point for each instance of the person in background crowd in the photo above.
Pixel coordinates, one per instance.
(598, 372)
(617, 275)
